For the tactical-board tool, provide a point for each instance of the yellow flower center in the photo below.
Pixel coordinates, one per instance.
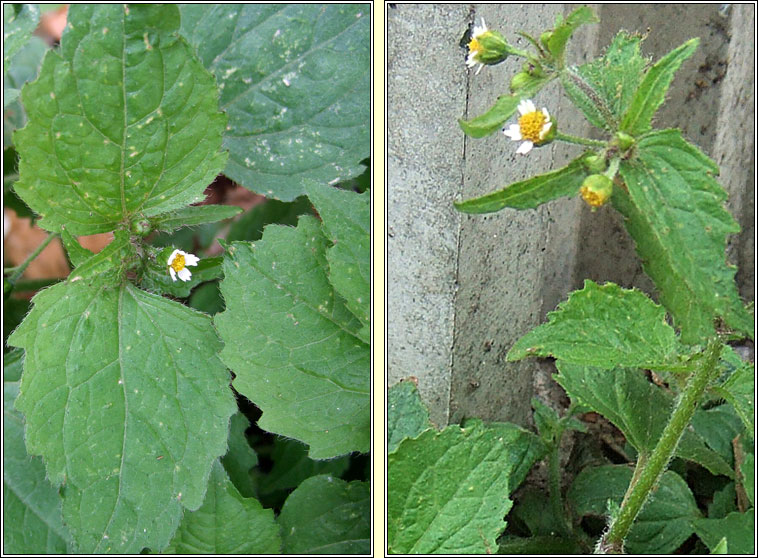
(594, 199)
(531, 125)
(474, 46)
(178, 263)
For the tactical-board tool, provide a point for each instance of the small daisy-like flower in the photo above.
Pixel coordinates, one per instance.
(533, 128)
(596, 190)
(486, 47)
(178, 262)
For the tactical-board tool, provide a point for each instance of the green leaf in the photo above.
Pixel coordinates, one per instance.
(226, 523)
(448, 491)
(127, 402)
(295, 82)
(534, 546)
(724, 501)
(32, 520)
(109, 262)
(505, 106)
(17, 29)
(718, 426)
(664, 522)
(77, 254)
(739, 390)
(636, 407)
(531, 192)
(23, 68)
(250, 225)
(240, 458)
(326, 515)
(123, 121)
(652, 91)
(292, 342)
(673, 205)
(604, 326)
(13, 363)
(737, 528)
(533, 507)
(194, 215)
(563, 31)
(407, 417)
(346, 220)
(292, 466)
(602, 89)
(721, 547)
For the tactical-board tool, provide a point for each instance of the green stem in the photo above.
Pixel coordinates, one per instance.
(579, 141)
(19, 269)
(613, 541)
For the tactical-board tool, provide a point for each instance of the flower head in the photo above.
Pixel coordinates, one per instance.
(534, 127)
(596, 190)
(178, 262)
(486, 47)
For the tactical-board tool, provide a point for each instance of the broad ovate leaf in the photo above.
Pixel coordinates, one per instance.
(448, 491)
(326, 515)
(675, 212)
(564, 28)
(532, 192)
(32, 519)
(739, 390)
(346, 218)
(604, 326)
(126, 400)
(226, 523)
(294, 82)
(292, 342)
(738, 528)
(664, 522)
(122, 121)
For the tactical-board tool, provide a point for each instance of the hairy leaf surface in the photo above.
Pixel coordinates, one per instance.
(122, 120)
(675, 212)
(32, 519)
(450, 490)
(294, 82)
(127, 402)
(326, 515)
(292, 342)
(652, 91)
(604, 326)
(17, 29)
(226, 523)
(346, 218)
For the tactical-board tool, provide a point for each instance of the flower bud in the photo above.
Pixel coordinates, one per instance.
(594, 163)
(141, 227)
(491, 48)
(520, 80)
(596, 190)
(623, 140)
(545, 37)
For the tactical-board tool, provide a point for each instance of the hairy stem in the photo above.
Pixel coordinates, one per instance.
(19, 270)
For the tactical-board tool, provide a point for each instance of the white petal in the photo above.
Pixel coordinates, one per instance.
(173, 273)
(513, 132)
(526, 106)
(191, 259)
(479, 69)
(544, 111)
(470, 62)
(545, 129)
(478, 30)
(172, 256)
(525, 147)
(185, 274)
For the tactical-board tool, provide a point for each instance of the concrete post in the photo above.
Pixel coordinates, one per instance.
(462, 289)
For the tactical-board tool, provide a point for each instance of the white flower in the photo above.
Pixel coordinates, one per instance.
(533, 127)
(177, 263)
(474, 48)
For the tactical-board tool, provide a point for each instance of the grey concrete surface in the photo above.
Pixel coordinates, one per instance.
(461, 288)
